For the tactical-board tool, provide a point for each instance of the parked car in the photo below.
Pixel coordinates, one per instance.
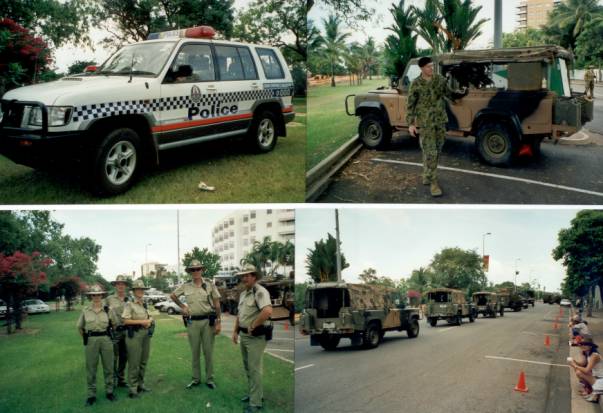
(35, 306)
(154, 297)
(565, 303)
(3, 309)
(170, 307)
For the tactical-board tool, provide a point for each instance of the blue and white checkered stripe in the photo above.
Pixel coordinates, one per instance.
(128, 107)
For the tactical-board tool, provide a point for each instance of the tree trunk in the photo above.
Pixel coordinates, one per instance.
(332, 75)
(9, 315)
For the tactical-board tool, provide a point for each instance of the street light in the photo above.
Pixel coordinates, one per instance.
(516, 272)
(484, 243)
(146, 257)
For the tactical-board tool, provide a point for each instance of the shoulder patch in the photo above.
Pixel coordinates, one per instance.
(260, 295)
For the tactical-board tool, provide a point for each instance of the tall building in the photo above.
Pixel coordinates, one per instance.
(234, 235)
(152, 269)
(534, 13)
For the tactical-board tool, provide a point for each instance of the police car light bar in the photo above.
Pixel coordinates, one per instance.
(198, 32)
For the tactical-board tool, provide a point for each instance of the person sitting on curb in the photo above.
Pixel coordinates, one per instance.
(590, 374)
(578, 329)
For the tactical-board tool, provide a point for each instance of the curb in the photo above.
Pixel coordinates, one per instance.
(319, 177)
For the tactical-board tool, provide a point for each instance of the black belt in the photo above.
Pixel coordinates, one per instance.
(96, 333)
(120, 328)
(244, 330)
(199, 317)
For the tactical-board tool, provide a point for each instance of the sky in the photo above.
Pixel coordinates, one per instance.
(124, 234)
(66, 55)
(397, 241)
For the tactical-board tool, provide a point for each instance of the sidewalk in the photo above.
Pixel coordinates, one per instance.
(579, 405)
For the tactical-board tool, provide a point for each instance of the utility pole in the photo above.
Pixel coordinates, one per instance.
(516, 272)
(338, 253)
(178, 243)
(484, 245)
(497, 24)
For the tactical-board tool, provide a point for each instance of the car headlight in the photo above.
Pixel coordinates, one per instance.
(57, 115)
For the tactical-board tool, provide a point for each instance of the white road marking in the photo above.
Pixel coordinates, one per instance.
(280, 357)
(526, 361)
(537, 334)
(304, 367)
(508, 178)
(445, 329)
(278, 349)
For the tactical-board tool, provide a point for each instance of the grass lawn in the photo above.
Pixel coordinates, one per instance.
(329, 125)
(43, 371)
(238, 175)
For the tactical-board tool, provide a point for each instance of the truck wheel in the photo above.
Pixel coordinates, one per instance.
(374, 131)
(371, 336)
(262, 132)
(496, 145)
(459, 320)
(116, 162)
(471, 318)
(329, 343)
(413, 330)
(493, 314)
(502, 312)
(433, 322)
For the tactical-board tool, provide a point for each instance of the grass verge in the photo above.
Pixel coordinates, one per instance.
(43, 371)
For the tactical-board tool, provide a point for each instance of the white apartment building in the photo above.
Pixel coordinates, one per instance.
(150, 269)
(234, 235)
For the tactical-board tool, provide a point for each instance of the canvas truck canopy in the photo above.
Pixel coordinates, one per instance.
(513, 54)
(363, 296)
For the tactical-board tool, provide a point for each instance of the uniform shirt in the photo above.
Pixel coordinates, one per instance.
(251, 303)
(198, 298)
(425, 105)
(589, 76)
(116, 306)
(134, 311)
(93, 320)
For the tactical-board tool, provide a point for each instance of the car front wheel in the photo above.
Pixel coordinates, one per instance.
(374, 131)
(116, 162)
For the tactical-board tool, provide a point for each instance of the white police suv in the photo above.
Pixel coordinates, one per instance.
(176, 88)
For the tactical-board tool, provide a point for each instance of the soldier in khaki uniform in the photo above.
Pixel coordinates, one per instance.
(116, 303)
(426, 107)
(93, 325)
(254, 310)
(589, 82)
(138, 342)
(202, 309)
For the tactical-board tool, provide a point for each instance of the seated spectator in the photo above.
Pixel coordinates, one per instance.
(578, 329)
(591, 375)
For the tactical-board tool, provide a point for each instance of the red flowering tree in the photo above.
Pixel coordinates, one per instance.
(69, 287)
(23, 56)
(20, 274)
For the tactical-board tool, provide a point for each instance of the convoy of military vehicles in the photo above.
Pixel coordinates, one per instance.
(363, 313)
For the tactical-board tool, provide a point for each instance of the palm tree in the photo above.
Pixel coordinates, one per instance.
(429, 20)
(461, 27)
(568, 19)
(321, 262)
(354, 61)
(334, 43)
(370, 55)
(401, 46)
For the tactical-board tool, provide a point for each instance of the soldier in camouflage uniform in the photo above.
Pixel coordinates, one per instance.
(426, 108)
(116, 304)
(589, 82)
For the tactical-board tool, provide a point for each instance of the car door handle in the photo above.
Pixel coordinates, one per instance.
(211, 88)
(255, 85)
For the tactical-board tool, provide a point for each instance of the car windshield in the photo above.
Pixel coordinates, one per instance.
(141, 59)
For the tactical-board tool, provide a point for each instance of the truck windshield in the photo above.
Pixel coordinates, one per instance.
(141, 59)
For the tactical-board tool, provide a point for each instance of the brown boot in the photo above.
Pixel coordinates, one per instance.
(435, 189)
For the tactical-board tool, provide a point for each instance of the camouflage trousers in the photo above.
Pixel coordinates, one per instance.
(431, 140)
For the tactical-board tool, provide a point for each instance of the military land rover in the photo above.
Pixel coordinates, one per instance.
(517, 97)
(360, 312)
(450, 305)
(488, 304)
(511, 299)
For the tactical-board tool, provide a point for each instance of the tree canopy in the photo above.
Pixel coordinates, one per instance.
(321, 262)
(580, 249)
(210, 260)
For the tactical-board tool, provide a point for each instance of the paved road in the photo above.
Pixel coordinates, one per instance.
(444, 370)
(393, 175)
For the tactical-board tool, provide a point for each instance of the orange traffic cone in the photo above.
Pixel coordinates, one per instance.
(286, 326)
(547, 341)
(521, 383)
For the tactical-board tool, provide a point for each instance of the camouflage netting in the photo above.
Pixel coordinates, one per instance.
(367, 297)
(514, 54)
